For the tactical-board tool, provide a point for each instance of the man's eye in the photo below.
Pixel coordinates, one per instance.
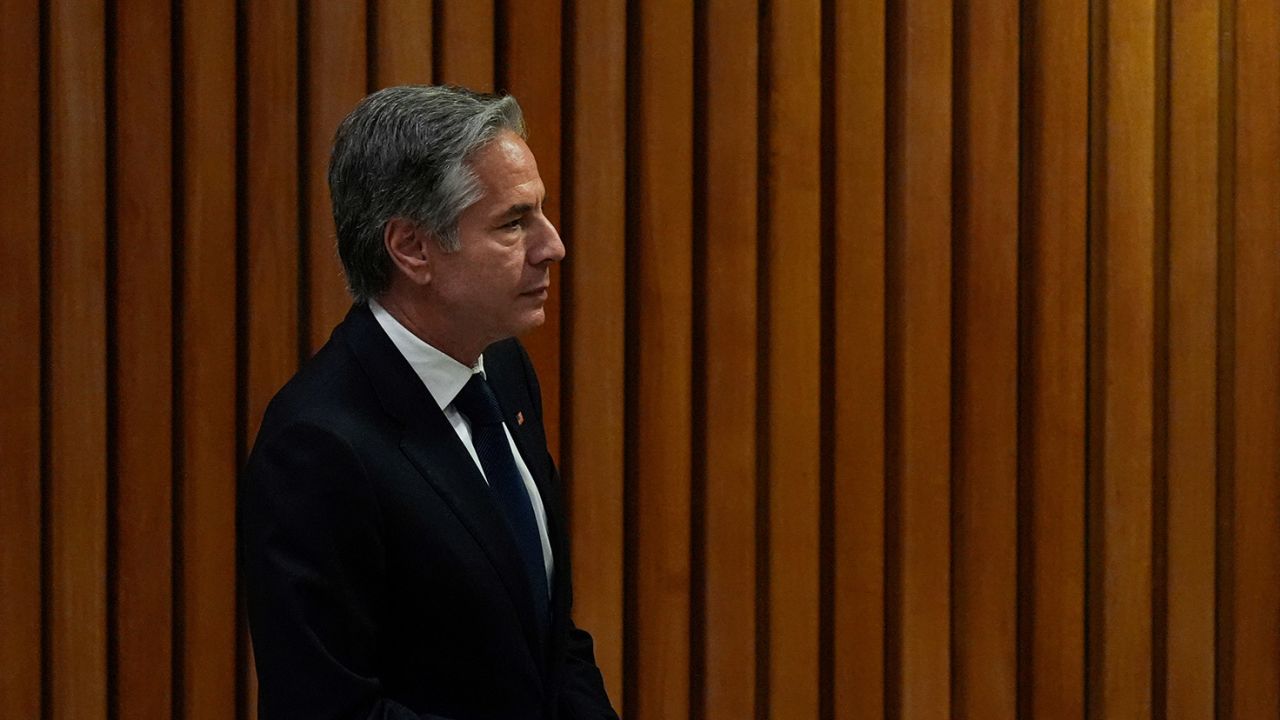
(513, 225)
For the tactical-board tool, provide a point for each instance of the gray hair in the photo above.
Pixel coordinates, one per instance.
(402, 152)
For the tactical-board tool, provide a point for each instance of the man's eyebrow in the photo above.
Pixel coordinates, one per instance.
(521, 208)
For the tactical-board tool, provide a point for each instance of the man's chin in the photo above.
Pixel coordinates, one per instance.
(529, 322)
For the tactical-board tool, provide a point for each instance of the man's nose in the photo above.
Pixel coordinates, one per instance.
(549, 246)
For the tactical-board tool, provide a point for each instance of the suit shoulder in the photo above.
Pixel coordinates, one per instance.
(508, 351)
(506, 363)
(510, 359)
(329, 391)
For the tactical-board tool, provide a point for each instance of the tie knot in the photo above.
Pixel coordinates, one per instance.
(477, 402)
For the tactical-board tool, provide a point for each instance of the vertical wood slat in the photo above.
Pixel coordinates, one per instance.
(335, 82)
(142, 620)
(728, 369)
(1255, 545)
(793, 253)
(1121, 366)
(465, 33)
(207, 348)
(1051, 377)
(1193, 329)
(531, 52)
(595, 282)
(1052, 374)
(985, 417)
(272, 197)
(859, 317)
(919, 258)
(659, 409)
(402, 42)
(20, 362)
(77, 652)
(271, 217)
(1224, 445)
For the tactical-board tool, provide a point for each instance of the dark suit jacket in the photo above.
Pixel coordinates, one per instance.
(382, 579)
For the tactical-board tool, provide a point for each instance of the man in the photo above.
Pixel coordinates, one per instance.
(401, 522)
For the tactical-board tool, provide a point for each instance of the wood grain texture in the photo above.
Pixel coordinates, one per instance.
(1121, 366)
(660, 268)
(793, 252)
(77, 367)
(1193, 338)
(1255, 546)
(985, 416)
(859, 362)
(994, 397)
(207, 347)
(466, 53)
(21, 651)
(729, 370)
(271, 192)
(402, 42)
(335, 44)
(142, 620)
(919, 257)
(595, 286)
(271, 234)
(1051, 388)
(531, 52)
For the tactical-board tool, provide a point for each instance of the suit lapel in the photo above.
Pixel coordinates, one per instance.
(535, 462)
(544, 477)
(432, 446)
(514, 412)
(445, 463)
(514, 397)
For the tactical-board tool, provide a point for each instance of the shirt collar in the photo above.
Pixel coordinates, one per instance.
(443, 376)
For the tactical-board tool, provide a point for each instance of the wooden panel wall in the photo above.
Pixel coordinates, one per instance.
(910, 360)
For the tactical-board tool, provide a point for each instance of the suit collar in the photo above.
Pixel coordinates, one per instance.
(443, 375)
(398, 388)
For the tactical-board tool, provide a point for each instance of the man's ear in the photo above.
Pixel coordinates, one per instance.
(410, 248)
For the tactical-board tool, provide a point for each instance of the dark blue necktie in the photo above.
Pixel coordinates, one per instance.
(478, 403)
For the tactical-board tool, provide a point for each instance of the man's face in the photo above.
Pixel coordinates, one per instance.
(495, 285)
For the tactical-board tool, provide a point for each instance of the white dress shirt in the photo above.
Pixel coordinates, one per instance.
(444, 378)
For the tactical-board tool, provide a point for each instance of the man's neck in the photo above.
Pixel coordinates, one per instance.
(427, 328)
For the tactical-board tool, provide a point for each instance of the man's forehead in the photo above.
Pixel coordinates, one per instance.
(507, 170)
(508, 149)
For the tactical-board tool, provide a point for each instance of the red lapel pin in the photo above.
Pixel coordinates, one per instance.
(519, 418)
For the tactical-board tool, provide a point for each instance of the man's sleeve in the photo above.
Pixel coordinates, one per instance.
(314, 572)
(584, 696)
